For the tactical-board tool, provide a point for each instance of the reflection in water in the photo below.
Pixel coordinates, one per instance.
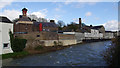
(88, 54)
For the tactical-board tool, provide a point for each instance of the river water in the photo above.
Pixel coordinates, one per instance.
(87, 54)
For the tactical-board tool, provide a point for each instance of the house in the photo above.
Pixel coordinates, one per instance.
(109, 35)
(101, 29)
(94, 34)
(5, 26)
(24, 23)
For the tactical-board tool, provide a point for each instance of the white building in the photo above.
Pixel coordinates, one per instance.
(78, 36)
(109, 35)
(5, 26)
(94, 34)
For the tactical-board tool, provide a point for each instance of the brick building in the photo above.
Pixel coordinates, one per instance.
(25, 25)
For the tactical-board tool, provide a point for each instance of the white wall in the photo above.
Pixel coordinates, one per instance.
(6, 27)
(79, 37)
(0, 38)
(94, 34)
(109, 35)
(68, 32)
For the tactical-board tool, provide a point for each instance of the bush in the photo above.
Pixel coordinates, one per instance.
(55, 43)
(18, 44)
(112, 54)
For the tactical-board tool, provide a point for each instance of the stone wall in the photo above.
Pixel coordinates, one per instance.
(63, 42)
(79, 37)
(34, 38)
(66, 36)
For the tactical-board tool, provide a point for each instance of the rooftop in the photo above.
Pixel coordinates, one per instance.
(4, 19)
(45, 24)
(24, 18)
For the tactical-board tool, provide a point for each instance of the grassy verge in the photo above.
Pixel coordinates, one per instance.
(15, 55)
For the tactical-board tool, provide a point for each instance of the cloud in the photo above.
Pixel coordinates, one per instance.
(4, 3)
(57, 9)
(97, 18)
(88, 14)
(111, 25)
(76, 20)
(41, 13)
(11, 14)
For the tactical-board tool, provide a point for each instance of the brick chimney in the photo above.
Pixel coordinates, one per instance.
(24, 11)
(80, 23)
(52, 21)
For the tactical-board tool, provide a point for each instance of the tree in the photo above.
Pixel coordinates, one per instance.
(38, 19)
(72, 26)
(33, 17)
(60, 24)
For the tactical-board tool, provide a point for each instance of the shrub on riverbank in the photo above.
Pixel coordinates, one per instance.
(15, 55)
(17, 44)
(112, 54)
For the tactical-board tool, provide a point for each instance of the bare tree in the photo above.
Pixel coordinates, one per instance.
(60, 24)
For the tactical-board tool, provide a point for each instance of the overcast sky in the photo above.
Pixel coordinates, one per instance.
(92, 13)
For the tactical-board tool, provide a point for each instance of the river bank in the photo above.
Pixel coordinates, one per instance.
(42, 49)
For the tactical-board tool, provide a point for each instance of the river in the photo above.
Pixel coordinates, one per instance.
(87, 54)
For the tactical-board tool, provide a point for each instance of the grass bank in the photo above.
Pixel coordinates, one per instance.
(38, 50)
(15, 55)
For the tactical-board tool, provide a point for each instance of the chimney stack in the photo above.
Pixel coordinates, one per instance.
(24, 11)
(80, 23)
(53, 21)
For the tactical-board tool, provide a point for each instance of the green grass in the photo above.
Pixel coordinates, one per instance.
(15, 55)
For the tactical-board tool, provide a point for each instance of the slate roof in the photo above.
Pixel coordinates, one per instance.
(45, 24)
(97, 27)
(4, 19)
(108, 31)
(24, 18)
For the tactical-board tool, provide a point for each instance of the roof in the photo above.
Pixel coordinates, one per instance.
(24, 18)
(45, 24)
(108, 32)
(4, 19)
(97, 27)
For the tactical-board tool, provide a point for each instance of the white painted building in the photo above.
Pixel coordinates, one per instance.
(5, 26)
(94, 34)
(109, 35)
(78, 36)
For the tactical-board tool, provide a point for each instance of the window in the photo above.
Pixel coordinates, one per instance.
(38, 35)
(5, 45)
